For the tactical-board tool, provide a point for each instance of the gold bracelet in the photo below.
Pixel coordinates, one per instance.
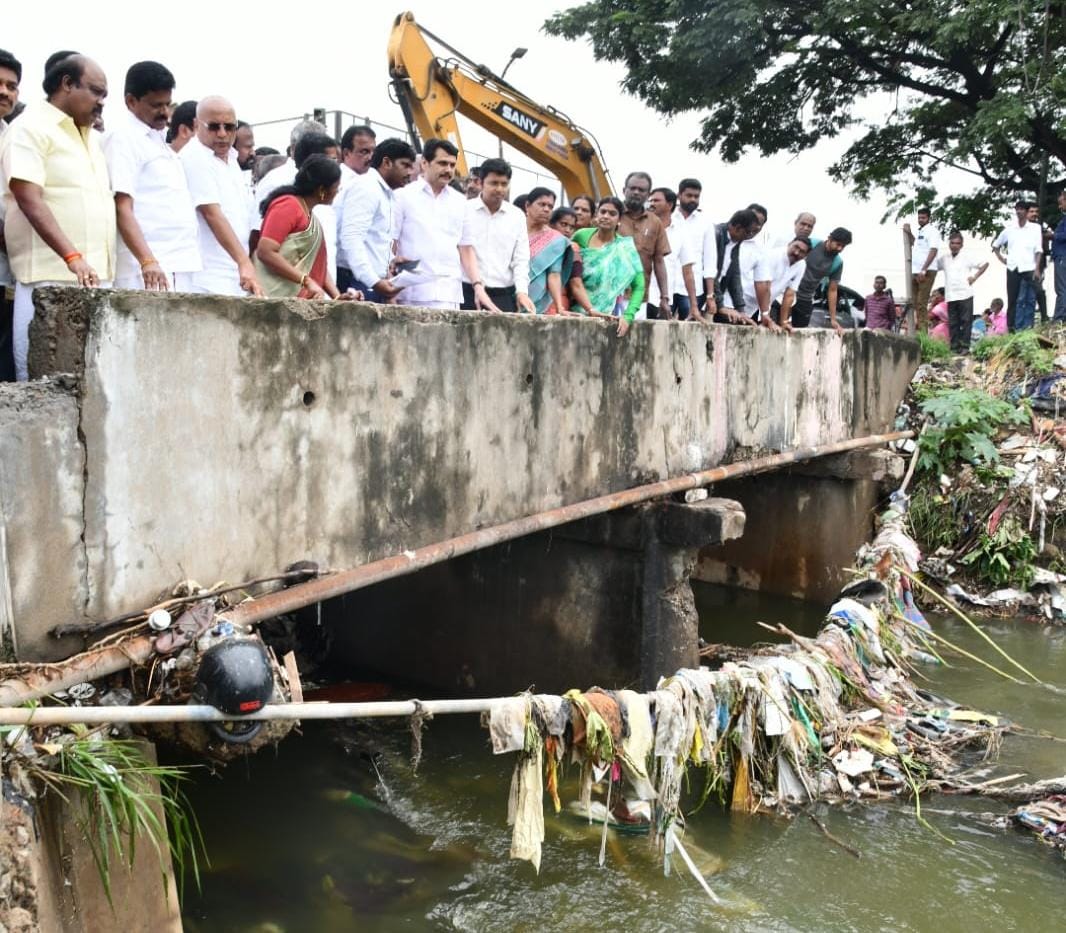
(150, 261)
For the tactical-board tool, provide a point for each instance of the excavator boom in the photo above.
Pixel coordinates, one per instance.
(431, 91)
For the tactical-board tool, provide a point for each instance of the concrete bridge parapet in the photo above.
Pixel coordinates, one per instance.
(212, 438)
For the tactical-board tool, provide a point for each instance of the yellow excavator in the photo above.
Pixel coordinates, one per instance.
(431, 90)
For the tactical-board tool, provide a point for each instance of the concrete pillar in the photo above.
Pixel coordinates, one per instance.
(674, 534)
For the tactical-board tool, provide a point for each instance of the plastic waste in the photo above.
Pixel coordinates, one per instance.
(159, 620)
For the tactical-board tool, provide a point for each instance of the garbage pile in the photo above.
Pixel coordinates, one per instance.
(1046, 818)
(989, 495)
(834, 717)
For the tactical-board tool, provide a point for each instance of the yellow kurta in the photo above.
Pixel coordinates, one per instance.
(45, 147)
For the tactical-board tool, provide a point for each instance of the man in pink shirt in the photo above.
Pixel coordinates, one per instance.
(880, 306)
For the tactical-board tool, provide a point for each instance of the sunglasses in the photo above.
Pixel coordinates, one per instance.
(215, 127)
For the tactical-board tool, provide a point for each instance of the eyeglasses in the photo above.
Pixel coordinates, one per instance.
(215, 127)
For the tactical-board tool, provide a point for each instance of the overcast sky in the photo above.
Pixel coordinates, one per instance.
(333, 55)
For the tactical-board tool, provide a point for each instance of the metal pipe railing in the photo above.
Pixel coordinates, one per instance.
(34, 682)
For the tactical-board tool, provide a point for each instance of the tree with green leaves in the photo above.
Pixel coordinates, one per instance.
(974, 85)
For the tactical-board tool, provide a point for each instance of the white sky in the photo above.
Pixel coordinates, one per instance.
(332, 55)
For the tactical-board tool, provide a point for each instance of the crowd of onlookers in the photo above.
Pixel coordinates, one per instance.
(178, 197)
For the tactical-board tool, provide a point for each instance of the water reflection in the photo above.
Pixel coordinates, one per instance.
(312, 839)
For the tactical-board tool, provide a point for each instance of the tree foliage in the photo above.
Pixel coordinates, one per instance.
(977, 85)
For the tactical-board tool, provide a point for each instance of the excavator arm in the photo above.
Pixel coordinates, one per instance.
(432, 90)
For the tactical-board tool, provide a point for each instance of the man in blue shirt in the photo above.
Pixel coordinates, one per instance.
(1058, 254)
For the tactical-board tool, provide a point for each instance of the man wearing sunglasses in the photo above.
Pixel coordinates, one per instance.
(225, 210)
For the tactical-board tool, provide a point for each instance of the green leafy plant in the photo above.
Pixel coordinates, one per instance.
(1023, 345)
(933, 349)
(964, 423)
(1004, 557)
(119, 804)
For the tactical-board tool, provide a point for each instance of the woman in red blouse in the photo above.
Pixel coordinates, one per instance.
(291, 255)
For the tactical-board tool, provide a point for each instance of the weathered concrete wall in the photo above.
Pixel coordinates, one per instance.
(801, 535)
(42, 558)
(226, 438)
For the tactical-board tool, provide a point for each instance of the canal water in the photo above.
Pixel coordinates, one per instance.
(325, 837)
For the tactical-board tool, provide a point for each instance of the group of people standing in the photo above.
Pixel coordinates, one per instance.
(947, 313)
(174, 198)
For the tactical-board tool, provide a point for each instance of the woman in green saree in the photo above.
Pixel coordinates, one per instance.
(612, 265)
(290, 258)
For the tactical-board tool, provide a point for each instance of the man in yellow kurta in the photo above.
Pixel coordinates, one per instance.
(60, 221)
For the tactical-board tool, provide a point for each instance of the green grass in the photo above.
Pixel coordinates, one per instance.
(933, 349)
(1024, 346)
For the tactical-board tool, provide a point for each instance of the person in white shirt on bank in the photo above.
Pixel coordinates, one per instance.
(1025, 246)
(157, 246)
(680, 261)
(429, 227)
(225, 212)
(365, 216)
(960, 272)
(496, 235)
(925, 245)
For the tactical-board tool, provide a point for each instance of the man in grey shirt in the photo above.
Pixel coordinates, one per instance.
(823, 262)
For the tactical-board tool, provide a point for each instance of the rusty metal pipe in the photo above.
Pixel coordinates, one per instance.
(347, 581)
(43, 680)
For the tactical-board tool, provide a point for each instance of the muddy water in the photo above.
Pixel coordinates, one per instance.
(313, 840)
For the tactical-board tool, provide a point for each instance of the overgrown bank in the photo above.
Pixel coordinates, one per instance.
(987, 496)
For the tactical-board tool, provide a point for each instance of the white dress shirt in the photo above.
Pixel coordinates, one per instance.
(365, 225)
(144, 167)
(754, 267)
(214, 181)
(5, 267)
(695, 226)
(957, 272)
(783, 275)
(348, 177)
(429, 227)
(501, 242)
(709, 255)
(285, 174)
(925, 239)
(682, 253)
(1023, 243)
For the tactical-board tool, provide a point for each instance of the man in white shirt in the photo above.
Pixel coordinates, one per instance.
(693, 221)
(429, 224)
(680, 261)
(496, 234)
(365, 212)
(224, 210)
(786, 266)
(157, 247)
(357, 151)
(754, 274)
(802, 226)
(1025, 245)
(10, 78)
(925, 244)
(960, 272)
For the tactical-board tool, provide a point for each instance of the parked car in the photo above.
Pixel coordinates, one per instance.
(850, 307)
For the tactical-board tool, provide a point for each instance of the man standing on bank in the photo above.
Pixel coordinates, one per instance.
(960, 272)
(157, 249)
(60, 212)
(925, 245)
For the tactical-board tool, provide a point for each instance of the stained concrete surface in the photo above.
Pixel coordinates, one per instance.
(225, 438)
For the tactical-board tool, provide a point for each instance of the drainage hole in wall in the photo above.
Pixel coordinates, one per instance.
(309, 398)
(529, 379)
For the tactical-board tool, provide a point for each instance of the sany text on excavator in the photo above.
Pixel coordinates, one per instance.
(432, 90)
